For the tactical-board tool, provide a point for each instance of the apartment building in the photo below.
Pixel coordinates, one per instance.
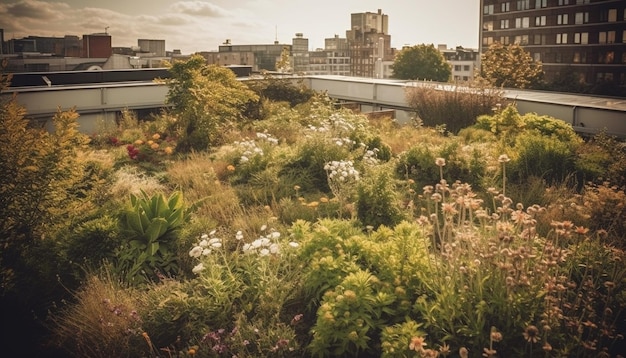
(581, 38)
(463, 62)
(369, 43)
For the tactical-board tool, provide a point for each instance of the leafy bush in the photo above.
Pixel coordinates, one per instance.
(150, 225)
(377, 200)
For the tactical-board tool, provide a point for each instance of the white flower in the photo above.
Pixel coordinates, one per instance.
(216, 245)
(206, 252)
(239, 235)
(203, 243)
(244, 159)
(214, 240)
(263, 227)
(294, 244)
(264, 252)
(204, 236)
(212, 232)
(198, 268)
(247, 247)
(274, 248)
(275, 235)
(196, 252)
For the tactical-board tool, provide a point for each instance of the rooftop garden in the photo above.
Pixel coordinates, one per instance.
(261, 220)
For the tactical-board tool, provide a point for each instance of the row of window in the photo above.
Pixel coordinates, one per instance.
(579, 18)
(489, 9)
(603, 57)
(582, 38)
(461, 68)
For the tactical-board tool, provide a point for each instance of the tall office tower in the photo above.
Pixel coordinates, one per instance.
(369, 42)
(300, 53)
(580, 39)
(97, 46)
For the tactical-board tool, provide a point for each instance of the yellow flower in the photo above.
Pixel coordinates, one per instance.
(313, 204)
(324, 199)
(296, 187)
(138, 142)
(150, 142)
(154, 146)
(155, 137)
(440, 162)
(168, 150)
(230, 168)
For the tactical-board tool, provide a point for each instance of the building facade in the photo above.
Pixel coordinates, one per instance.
(97, 45)
(463, 62)
(369, 43)
(583, 39)
(154, 47)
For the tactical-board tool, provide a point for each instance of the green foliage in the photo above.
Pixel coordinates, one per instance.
(396, 339)
(421, 62)
(377, 200)
(455, 109)
(275, 90)
(510, 66)
(463, 163)
(541, 156)
(206, 100)
(151, 226)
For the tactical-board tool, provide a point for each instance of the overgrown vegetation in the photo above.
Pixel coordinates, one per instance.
(313, 232)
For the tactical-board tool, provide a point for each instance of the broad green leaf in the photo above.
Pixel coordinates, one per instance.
(156, 229)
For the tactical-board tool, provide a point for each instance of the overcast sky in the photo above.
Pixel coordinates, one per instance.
(202, 25)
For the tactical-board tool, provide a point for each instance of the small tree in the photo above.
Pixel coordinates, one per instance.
(510, 66)
(421, 62)
(283, 65)
(205, 99)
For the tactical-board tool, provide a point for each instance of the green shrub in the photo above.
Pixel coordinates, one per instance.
(540, 156)
(377, 200)
(150, 226)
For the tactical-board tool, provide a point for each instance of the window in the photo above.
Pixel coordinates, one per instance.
(576, 58)
(488, 9)
(602, 37)
(523, 4)
(521, 40)
(518, 22)
(582, 2)
(537, 56)
(612, 15)
(506, 7)
(504, 24)
(466, 68)
(581, 38)
(525, 22)
(563, 2)
(624, 38)
(581, 18)
(487, 40)
(541, 3)
(623, 57)
(504, 40)
(558, 57)
(457, 67)
(610, 37)
(610, 57)
(561, 39)
(539, 39)
(488, 25)
(562, 19)
(540, 21)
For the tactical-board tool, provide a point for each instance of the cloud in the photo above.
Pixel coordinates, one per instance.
(33, 9)
(199, 8)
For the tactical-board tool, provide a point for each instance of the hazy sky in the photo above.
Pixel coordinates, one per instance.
(202, 25)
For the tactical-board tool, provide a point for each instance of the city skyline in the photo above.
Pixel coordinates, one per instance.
(193, 26)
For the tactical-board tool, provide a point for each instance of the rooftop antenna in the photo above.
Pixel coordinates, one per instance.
(276, 33)
(105, 29)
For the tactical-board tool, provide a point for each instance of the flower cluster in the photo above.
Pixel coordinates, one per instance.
(146, 149)
(266, 244)
(371, 156)
(267, 137)
(343, 141)
(208, 243)
(342, 171)
(250, 149)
